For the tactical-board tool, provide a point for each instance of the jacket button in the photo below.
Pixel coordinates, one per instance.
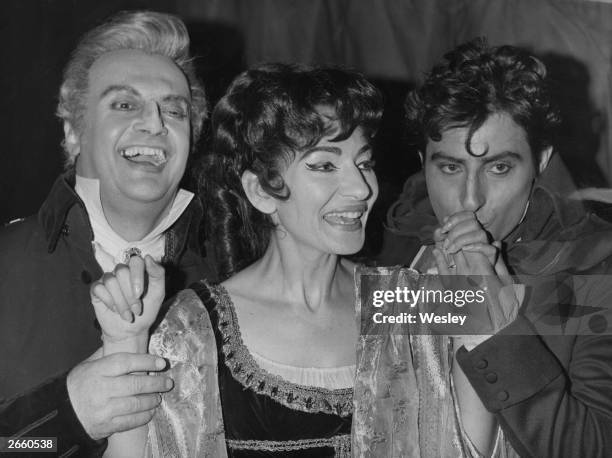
(86, 277)
(491, 377)
(482, 364)
(503, 395)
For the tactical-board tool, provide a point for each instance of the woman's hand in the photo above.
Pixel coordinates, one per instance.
(127, 301)
(461, 233)
(463, 248)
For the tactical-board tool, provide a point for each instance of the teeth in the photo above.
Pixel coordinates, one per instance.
(344, 218)
(158, 155)
(351, 215)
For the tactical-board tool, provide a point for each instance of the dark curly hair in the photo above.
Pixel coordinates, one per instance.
(476, 81)
(267, 115)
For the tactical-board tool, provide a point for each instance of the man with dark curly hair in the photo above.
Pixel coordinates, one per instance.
(132, 109)
(483, 124)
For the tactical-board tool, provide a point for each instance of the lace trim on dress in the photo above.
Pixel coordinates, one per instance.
(245, 370)
(332, 378)
(341, 445)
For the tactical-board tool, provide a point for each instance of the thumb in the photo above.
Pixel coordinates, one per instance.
(156, 271)
(157, 280)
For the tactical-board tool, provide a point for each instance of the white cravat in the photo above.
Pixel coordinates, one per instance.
(110, 248)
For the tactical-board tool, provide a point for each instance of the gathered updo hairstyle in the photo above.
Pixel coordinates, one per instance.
(476, 81)
(267, 115)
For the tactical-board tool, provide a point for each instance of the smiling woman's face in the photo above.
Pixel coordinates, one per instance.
(495, 185)
(332, 190)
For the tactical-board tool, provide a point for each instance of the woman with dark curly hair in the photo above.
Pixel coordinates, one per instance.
(288, 188)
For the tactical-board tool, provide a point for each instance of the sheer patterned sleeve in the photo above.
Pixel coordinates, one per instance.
(189, 421)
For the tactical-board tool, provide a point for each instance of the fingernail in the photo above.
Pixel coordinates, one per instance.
(138, 289)
(127, 315)
(169, 383)
(445, 244)
(159, 398)
(136, 309)
(160, 363)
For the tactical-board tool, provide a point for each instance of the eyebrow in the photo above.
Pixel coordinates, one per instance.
(132, 91)
(333, 150)
(176, 98)
(119, 88)
(438, 156)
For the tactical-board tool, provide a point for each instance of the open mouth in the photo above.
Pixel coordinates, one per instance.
(347, 218)
(144, 155)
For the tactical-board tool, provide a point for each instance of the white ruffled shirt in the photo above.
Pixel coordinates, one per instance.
(109, 247)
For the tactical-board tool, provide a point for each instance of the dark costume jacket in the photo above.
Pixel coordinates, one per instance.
(47, 324)
(548, 375)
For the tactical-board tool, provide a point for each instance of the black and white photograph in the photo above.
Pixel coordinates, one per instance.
(306, 228)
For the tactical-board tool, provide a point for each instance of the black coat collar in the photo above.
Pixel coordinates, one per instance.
(64, 206)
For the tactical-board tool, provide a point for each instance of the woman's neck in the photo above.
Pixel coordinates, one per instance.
(301, 275)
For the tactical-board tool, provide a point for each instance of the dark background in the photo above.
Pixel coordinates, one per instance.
(392, 42)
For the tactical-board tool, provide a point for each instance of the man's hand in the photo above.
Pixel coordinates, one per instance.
(463, 233)
(124, 307)
(108, 396)
(463, 248)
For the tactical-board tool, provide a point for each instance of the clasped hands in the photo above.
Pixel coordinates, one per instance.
(462, 248)
(127, 301)
(115, 390)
